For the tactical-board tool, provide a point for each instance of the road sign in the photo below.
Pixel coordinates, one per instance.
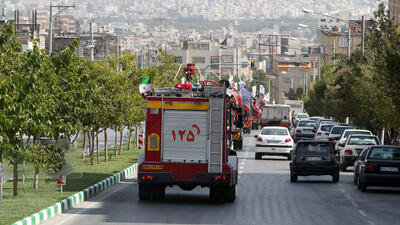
(60, 182)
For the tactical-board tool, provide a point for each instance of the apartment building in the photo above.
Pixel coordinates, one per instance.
(220, 60)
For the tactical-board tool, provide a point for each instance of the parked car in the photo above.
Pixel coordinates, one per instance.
(337, 131)
(323, 132)
(305, 129)
(313, 157)
(273, 141)
(300, 116)
(353, 146)
(346, 133)
(357, 163)
(379, 167)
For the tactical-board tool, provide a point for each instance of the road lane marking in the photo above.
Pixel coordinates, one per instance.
(362, 213)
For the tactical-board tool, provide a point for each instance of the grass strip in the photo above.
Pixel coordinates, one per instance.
(81, 176)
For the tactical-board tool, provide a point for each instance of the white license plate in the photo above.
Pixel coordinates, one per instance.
(389, 169)
(314, 158)
(273, 142)
(307, 130)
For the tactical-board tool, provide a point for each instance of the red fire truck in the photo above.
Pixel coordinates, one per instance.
(188, 141)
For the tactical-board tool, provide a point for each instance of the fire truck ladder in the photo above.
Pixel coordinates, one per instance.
(216, 118)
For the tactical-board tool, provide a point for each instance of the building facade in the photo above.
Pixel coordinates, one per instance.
(290, 73)
(394, 9)
(217, 60)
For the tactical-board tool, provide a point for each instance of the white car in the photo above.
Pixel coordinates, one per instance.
(323, 132)
(300, 116)
(339, 145)
(352, 148)
(274, 141)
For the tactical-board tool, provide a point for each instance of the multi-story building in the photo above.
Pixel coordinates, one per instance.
(220, 60)
(290, 73)
(337, 43)
(394, 9)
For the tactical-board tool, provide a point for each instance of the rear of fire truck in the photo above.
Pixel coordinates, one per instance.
(188, 136)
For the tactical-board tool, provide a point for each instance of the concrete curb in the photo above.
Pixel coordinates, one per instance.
(76, 199)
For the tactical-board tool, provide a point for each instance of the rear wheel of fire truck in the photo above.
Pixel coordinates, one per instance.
(158, 192)
(230, 194)
(144, 193)
(216, 193)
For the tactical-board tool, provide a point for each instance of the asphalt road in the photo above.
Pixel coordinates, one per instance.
(264, 196)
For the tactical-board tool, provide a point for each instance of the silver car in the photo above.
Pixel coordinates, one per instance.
(305, 130)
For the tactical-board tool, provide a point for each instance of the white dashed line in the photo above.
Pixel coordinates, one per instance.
(362, 213)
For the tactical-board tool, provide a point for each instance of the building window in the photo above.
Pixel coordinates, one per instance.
(214, 60)
(343, 42)
(227, 71)
(178, 59)
(286, 80)
(227, 59)
(198, 59)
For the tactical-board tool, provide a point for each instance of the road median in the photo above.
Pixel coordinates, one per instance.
(76, 199)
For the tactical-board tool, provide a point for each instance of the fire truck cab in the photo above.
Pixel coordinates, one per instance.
(188, 143)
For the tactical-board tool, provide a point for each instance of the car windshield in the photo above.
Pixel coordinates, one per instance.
(319, 149)
(356, 132)
(303, 116)
(363, 141)
(385, 153)
(279, 132)
(326, 121)
(339, 130)
(326, 128)
(307, 124)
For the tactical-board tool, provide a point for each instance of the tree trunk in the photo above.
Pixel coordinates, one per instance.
(105, 146)
(1, 180)
(120, 141)
(36, 182)
(115, 141)
(129, 139)
(83, 145)
(15, 180)
(97, 149)
(90, 145)
(23, 176)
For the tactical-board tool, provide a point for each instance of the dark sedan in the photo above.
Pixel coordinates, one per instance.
(314, 158)
(380, 166)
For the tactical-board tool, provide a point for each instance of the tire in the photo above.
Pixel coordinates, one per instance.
(258, 156)
(355, 178)
(343, 167)
(159, 192)
(293, 178)
(335, 177)
(230, 194)
(217, 193)
(144, 193)
(240, 145)
(360, 185)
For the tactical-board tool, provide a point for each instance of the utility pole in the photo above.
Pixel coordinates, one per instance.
(62, 9)
(91, 42)
(362, 35)
(349, 42)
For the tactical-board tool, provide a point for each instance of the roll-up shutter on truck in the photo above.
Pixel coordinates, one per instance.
(185, 136)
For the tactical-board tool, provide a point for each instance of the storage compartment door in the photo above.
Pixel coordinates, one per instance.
(185, 136)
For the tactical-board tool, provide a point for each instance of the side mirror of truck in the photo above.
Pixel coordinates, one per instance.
(255, 136)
